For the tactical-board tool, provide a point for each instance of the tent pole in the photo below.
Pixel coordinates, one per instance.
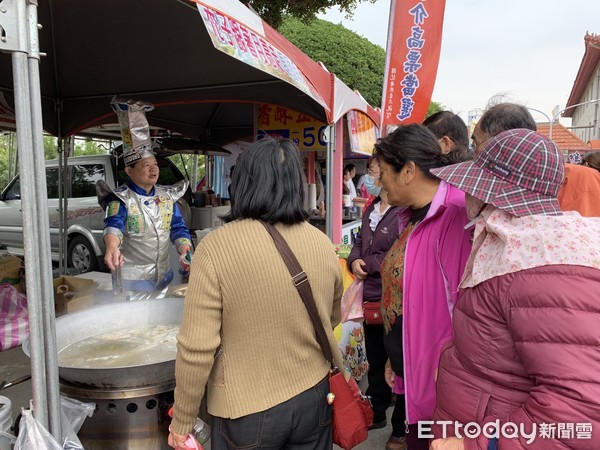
(28, 205)
(62, 267)
(337, 180)
(34, 296)
(194, 175)
(44, 259)
(68, 144)
(330, 138)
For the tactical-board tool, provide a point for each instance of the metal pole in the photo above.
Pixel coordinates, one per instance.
(30, 226)
(541, 112)
(68, 144)
(565, 109)
(44, 259)
(194, 175)
(330, 139)
(62, 267)
(12, 158)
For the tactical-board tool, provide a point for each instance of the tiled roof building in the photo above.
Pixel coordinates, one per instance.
(566, 140)
(586, 89)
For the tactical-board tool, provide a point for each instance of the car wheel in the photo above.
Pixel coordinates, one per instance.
(81, 255)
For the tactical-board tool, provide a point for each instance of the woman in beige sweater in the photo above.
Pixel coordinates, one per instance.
(246, 334)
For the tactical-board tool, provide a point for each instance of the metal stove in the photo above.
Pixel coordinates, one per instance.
(126, 418)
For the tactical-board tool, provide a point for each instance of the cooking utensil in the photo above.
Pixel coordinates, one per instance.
(98, 320)
(7, 384)
(117, 281)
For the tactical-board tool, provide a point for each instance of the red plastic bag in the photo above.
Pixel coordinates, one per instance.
(352, 302)
(352, 412)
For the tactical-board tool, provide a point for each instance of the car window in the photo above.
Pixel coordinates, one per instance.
(14, 191)
(52, 182)
(83, 179)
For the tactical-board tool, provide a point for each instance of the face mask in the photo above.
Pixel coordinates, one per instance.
(370, 186)
(474, 206)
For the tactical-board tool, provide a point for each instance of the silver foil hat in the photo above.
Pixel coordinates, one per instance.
(135, 130)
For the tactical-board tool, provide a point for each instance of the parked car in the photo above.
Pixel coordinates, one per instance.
(85, 218)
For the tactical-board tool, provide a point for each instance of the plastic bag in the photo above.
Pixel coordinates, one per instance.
(33, 436)
(73, 413)
(14, 323)
(351, 341)
(352, 302)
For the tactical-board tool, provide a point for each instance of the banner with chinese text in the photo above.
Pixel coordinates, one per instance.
(241, 42)
(413, 53)
(362, 132)
(278, 121)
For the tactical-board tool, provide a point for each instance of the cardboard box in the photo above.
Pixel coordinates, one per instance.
(10, 271)
(72, 294)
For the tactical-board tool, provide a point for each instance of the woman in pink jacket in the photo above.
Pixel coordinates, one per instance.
(420, 273)
(523, 371)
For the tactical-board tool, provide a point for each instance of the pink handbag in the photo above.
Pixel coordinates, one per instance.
(352, 302)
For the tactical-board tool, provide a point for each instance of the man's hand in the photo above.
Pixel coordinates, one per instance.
(452, 443)
(185, 258)
(112, 255)
(357, 269)
(183, 249)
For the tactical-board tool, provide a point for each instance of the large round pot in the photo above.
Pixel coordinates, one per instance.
(75, 327)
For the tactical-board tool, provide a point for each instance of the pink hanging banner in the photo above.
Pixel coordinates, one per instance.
(413, 53)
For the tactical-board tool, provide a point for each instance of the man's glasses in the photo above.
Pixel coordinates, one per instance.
(477, 143)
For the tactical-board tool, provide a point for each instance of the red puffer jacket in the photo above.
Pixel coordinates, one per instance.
(526, 351)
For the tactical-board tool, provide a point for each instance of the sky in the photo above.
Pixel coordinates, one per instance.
(528, 50)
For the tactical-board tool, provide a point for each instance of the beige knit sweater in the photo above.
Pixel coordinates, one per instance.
(241, 298)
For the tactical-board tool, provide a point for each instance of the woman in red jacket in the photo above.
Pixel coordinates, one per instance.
(522, 372)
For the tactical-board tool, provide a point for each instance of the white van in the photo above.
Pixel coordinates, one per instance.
(85, 218)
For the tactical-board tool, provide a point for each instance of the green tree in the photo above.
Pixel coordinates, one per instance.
(273, 11)
(6, 151)
(90, 147)
(354, 59)
(433, 108)
(50, 147)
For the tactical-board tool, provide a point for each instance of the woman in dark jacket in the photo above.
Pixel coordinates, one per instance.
(378, 232)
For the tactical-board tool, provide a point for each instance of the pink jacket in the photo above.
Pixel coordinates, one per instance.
(527, 351)
(436, 253)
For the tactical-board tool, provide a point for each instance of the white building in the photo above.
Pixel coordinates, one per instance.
(586, 88)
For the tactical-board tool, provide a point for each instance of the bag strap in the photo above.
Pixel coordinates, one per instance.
(301, 282)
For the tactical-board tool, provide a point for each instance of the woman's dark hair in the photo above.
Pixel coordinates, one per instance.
(412, 142)
(267, 183)
(446, 123)
(593, 160)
